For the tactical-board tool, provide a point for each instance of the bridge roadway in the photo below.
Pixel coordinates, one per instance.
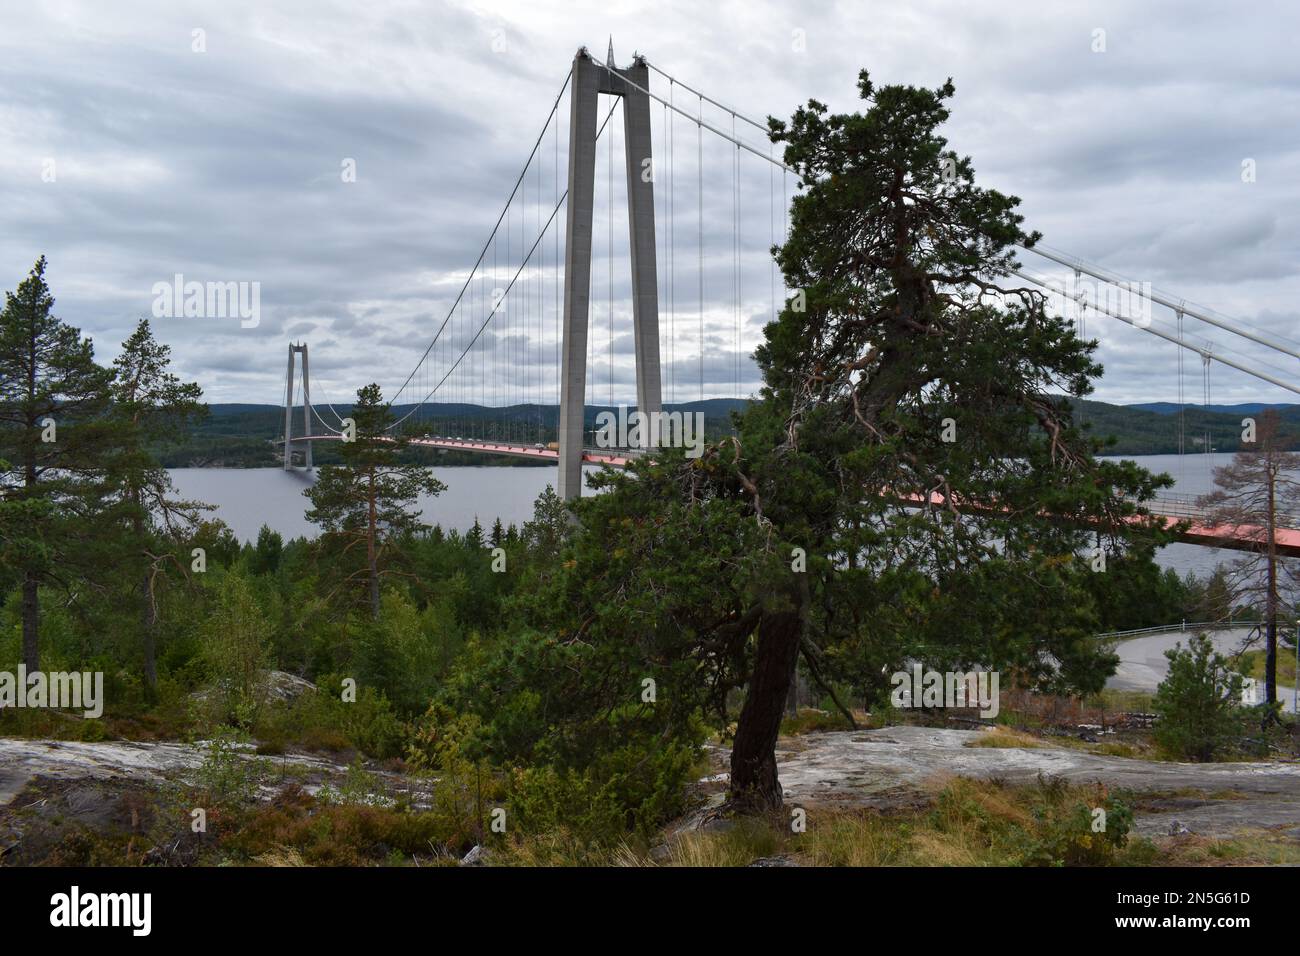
(513, 449)
(1173, 508)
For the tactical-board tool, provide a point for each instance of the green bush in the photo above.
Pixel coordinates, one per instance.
(359, 786)
(631, 789)
(1073, 832)
(634, 787)
(408, 651)
(322, 720)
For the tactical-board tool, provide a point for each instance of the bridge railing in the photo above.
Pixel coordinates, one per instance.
(1222, 624)
(1176, 505)
(1185, 506)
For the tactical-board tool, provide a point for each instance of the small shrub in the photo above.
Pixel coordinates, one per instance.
(359, 786)
(226, 776)
(235, 650)
(1197, 702)
(625, 791)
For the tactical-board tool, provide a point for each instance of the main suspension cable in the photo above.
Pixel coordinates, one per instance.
(506, 291)
(483, 252)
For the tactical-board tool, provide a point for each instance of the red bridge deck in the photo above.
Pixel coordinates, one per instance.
(1172, 508)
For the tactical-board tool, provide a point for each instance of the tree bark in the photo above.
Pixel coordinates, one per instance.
(31, 579)
(148, 624)
(372, 564)
(754, 783)
(1270, 599)
(31, 612)
(148, 616)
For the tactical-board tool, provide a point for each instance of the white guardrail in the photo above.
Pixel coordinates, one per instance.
(1220, 625)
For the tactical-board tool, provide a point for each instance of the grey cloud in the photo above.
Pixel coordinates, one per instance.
(225, 165)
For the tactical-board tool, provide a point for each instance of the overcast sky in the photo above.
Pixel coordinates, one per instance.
(136, 148)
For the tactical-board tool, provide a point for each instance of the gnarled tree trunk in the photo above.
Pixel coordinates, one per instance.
(754, 783)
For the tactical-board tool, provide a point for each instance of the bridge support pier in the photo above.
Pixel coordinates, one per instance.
(590, 79)
(306, 409)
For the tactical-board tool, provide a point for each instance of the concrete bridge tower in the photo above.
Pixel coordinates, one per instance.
(306, 409)
(590, 79)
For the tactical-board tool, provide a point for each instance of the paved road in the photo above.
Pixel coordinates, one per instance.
(1143, 665)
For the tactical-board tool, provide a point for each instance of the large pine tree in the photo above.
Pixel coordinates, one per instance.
(906, 488)
(52, 397)
(908, 438)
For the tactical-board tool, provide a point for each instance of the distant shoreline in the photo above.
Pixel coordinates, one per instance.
(243, 435)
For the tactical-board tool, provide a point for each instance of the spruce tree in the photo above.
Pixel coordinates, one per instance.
(150, 526)
(1198, 701)
(367, 505)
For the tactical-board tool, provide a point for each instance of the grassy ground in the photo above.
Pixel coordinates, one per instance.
(1007, 737)
(1252, 665)
(969, 824)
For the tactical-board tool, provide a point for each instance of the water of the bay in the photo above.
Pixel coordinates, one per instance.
(247, 498)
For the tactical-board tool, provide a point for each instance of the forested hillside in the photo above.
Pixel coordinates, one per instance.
(1142, 430)
(242, 436)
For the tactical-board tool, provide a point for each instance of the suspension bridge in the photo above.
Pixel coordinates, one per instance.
(515, 366)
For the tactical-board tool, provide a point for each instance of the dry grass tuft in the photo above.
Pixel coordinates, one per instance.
(280, 856)
(1006, 737)
(852, 839)
(743, 842)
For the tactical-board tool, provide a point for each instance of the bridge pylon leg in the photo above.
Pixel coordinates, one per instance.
(288, 414)
(641, 230)
(306, 410)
